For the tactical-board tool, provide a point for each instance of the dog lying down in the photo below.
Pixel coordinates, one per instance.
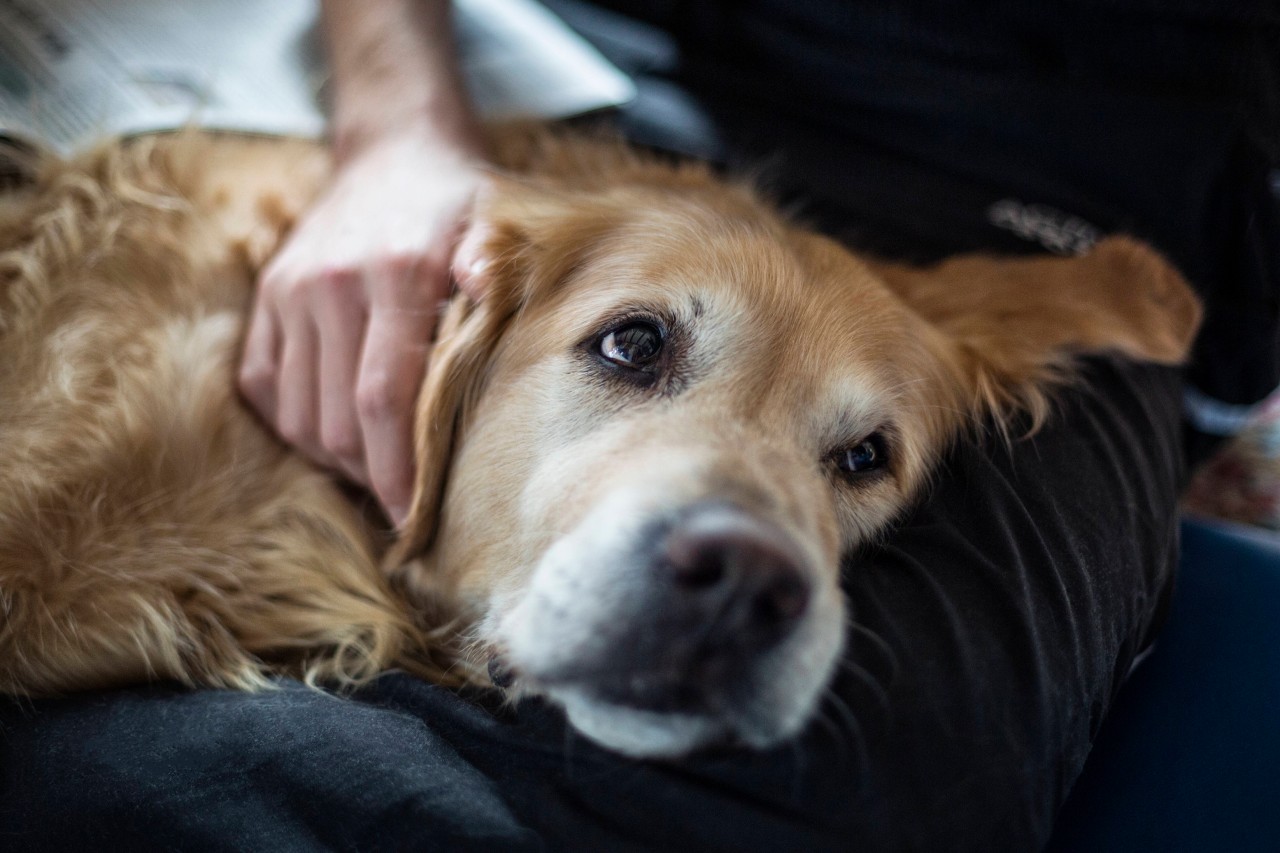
(640, 455)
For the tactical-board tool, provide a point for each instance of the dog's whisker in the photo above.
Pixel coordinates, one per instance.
(840, 737)
(876, 640)
(866, 678)
(854, 727)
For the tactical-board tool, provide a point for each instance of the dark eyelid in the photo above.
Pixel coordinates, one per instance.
(625, 317)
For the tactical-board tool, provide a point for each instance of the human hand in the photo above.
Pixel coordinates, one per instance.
(345, 311)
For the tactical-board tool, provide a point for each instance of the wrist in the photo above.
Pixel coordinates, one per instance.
(451, 129)
(396, 76)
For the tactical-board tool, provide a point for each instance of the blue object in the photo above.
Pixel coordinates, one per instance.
(1190, 756)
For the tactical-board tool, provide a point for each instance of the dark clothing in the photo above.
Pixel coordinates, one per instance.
(988, 635)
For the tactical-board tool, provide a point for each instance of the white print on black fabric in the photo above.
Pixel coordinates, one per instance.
(1058, 232)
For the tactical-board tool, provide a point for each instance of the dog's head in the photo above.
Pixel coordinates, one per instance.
(644, 450)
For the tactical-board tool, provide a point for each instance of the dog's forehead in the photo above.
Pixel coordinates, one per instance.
(804, 319)
(783, 287)
(732, 267)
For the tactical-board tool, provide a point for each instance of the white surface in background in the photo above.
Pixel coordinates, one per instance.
(74, 70)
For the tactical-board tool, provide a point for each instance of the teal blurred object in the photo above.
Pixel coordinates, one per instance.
(1189, 759)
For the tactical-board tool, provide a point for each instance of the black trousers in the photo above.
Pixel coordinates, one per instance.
(989, 634)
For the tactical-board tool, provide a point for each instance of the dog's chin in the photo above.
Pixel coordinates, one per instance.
(637, 732)
(644, 733)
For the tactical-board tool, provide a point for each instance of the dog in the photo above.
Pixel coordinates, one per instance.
(640, 455)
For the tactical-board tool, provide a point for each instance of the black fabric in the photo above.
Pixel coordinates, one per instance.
(991, 634)
(988, 635)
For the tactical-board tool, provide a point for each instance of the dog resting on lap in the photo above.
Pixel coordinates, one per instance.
(640, 454)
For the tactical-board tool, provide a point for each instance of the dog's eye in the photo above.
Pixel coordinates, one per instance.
(866, 456)
(634, 345)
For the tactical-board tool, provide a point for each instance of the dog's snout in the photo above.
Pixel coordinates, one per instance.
(743, 576)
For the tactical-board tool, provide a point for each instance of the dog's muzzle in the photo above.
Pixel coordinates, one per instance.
(721, 588)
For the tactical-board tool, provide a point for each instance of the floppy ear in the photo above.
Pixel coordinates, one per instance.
(531, 239)
(1014, 323)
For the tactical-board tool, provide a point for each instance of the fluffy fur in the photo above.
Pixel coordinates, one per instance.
(152, 528)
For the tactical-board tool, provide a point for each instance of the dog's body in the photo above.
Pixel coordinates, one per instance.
(641, 454)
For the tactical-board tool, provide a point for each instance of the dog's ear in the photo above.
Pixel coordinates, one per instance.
(1011, 325)
(468, 334)
(524, 241)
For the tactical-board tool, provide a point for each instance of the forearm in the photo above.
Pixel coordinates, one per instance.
(395, 70)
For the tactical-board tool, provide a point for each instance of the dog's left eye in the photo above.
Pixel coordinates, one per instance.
(868, 455)
(634, 345)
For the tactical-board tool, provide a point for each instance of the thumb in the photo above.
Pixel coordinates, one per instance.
(470, 267)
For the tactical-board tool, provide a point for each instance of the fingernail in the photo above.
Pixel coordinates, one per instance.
(399, 514)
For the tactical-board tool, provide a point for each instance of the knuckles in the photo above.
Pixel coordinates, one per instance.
(399, 264)
(333, 284)
(346, 285)
(411, 274)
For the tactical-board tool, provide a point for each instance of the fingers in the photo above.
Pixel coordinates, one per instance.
(334, 362)
(336, 348)
(296, 392)
(300, 362)
(391, 371)
(470, 263)
(260, 360)
(470, 266)
(342, 317)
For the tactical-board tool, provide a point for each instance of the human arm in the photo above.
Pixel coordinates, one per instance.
(345, 311)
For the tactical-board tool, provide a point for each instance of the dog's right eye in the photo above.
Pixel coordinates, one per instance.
(635, 345)
(866, 457)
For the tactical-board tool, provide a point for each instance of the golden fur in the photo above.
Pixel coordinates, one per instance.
(150, 527)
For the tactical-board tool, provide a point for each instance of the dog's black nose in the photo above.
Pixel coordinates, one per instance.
(740, 577)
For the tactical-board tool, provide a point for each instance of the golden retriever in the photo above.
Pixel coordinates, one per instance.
(640, 455)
